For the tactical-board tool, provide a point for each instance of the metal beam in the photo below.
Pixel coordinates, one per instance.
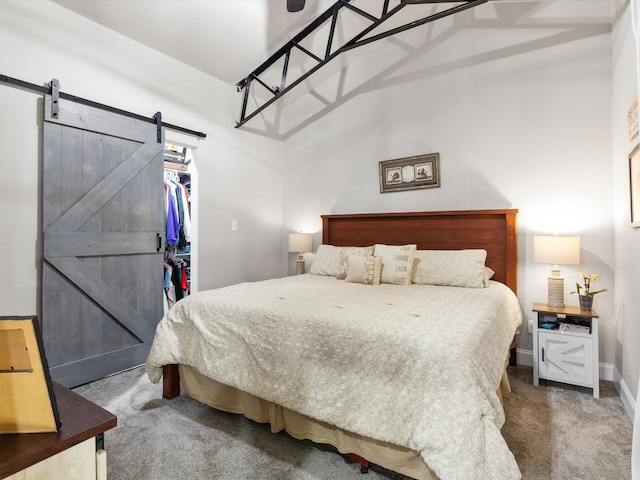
(357, 41)
(431, 18)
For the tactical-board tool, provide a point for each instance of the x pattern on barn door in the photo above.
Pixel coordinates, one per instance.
(103, 223)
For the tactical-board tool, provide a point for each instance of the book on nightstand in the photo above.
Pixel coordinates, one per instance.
(570, 327)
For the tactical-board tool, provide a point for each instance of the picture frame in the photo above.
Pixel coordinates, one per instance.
(634, 185)
(26, 390)
(632, 120)
(410, 173)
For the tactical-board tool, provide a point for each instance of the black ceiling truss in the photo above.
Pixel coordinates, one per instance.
(358, 40)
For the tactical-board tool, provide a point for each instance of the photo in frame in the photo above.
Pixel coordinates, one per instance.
(410, 173)
(634, 185)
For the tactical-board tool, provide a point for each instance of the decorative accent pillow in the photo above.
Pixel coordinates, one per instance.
(455, 268)
(363, 269)
(487, 275)
(346, 251)
(326, 260)
(397, 263)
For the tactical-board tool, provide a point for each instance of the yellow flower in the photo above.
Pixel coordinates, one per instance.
(587, 279)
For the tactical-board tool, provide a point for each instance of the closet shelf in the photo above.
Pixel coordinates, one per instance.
(176, 166)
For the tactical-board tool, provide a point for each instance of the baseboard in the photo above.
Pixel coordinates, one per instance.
(607, 372)
(525, 357)
(625, 395)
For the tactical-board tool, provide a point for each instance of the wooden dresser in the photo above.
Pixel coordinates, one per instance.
(76, 451)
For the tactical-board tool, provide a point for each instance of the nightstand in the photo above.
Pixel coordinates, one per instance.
(75, 451)
(568, 351)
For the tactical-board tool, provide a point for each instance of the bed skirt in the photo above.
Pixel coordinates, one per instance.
(392, 457)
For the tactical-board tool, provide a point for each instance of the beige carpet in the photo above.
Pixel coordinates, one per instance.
(555, 431)
(558, 431)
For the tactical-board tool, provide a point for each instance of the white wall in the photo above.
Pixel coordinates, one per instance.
(240, 174)
(627, 240)
(521, 119)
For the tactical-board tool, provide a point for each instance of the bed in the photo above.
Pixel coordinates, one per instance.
(406, 376)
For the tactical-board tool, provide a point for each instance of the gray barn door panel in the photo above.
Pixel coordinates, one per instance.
(103, 222)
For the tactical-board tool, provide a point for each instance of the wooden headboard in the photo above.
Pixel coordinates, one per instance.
(493, 230)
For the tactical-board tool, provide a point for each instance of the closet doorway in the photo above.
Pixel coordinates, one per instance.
(103, 231)
(180, 249)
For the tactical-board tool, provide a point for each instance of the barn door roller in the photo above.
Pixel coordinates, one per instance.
(55, 97)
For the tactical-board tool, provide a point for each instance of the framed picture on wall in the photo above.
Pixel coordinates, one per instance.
(410, 173)
(634, 185)
(632, 120)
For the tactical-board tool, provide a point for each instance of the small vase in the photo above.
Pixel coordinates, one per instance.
(586, 302)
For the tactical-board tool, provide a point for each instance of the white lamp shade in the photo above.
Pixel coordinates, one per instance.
(301, 242)
(556, 250)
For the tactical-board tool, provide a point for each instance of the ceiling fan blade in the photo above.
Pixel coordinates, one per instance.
(295, 5)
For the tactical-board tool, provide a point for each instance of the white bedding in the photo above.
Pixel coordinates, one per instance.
(413, 365)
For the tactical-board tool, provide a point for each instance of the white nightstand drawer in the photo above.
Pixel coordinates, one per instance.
(565, 358)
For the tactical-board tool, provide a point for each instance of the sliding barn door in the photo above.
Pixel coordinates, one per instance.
(103, 222)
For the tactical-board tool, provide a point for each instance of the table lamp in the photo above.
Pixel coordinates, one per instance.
(556, 250)
(300, 243)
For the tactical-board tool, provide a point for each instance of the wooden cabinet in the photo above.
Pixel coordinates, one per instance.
(76, 451)
(79, 462)
(563, 355)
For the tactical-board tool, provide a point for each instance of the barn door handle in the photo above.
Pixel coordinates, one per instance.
(543, 354)
(158, 242)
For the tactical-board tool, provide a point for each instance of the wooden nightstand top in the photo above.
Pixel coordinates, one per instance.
(566, 310)
(81, 420)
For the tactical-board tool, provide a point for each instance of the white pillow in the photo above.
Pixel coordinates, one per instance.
(363, 269)
(326, 260)
(487, 275)
(346, 251)
(308, 261)
(397, 263)
(456, 268)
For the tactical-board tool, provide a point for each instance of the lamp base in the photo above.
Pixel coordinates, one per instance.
(300, 265)
(555, 292)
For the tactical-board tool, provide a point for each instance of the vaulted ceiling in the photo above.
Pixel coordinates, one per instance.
(225, 38)
(229, 39)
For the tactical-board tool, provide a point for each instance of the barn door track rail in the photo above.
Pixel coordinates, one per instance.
(283, 55)
(53, 89)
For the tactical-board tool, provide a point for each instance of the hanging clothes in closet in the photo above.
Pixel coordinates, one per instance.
(177, 210)
(176, 285)
(178, 237)
(171, 220)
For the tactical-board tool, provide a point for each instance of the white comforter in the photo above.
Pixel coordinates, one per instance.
(413, 365)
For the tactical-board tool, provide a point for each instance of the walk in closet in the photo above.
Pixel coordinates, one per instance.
(178, 223)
